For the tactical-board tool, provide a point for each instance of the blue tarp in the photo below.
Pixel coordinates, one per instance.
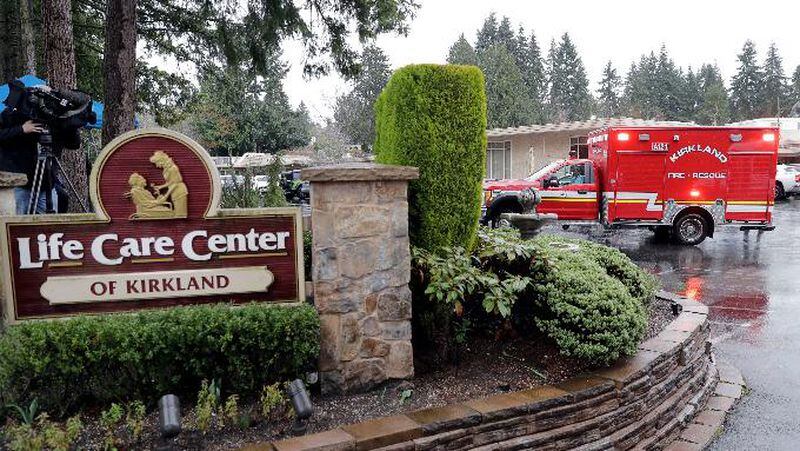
(32, 80)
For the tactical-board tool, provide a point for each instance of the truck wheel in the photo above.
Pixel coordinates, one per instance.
(690, 229)
(780, 193)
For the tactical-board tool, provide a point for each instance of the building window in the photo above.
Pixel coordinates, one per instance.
(498, 160)
(578, 147)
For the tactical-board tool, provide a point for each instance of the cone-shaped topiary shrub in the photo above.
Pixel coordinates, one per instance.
(434, 117)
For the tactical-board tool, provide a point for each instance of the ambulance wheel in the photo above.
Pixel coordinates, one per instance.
(690, 229)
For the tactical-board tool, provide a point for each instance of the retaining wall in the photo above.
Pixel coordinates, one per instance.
(642, 402)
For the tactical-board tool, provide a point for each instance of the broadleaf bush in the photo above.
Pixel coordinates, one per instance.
(97, 360)
(588, 299)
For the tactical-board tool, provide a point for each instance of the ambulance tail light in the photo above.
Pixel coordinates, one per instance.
(623, 136)
(769, 137)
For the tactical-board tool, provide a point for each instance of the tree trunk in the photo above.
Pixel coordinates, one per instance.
(59, 57)
(119, 68)
(28, 44)
(59, 50)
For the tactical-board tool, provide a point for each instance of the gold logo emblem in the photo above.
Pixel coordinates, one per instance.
(167, 200)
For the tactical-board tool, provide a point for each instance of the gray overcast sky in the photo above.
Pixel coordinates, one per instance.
(694, 31)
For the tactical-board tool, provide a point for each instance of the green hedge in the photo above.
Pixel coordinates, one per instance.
(589, 313)
(101, 359)
(639, 283)
(434, 117)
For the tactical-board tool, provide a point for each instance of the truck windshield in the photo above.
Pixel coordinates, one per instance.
(542, 171)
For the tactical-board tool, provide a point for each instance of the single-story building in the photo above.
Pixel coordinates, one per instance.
(517, 152)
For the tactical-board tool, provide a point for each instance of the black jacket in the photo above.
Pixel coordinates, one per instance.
(19, 152)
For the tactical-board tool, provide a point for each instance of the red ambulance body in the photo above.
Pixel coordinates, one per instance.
(687, 180)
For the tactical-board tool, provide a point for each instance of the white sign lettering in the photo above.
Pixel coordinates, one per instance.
(196, 245)
(698, 148)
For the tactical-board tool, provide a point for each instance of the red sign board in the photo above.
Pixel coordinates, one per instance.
(157, 239)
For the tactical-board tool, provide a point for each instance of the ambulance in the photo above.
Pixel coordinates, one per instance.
(685, 182)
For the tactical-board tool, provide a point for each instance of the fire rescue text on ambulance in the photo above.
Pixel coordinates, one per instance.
(684, 180)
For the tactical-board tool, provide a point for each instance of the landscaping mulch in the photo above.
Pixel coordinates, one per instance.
(487, 367)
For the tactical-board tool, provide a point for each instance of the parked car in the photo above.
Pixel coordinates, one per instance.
(787, 181)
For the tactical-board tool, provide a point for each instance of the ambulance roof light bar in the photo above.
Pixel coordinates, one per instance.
(623, 136)
(769, 137)
(644, 136)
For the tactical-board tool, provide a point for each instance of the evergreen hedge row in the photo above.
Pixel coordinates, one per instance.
(95, 360)
(434, 117)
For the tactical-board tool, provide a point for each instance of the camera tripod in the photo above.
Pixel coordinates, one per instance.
(44, 168)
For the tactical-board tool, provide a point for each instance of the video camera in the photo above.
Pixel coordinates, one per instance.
(58, 109)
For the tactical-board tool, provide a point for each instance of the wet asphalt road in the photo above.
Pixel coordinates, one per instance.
(751, 282)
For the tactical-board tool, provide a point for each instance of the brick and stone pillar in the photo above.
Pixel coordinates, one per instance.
(9, 181)
(360, 269)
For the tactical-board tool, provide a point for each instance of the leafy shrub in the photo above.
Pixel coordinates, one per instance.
(207, 402)
(589, 314)
(134, 420)
(109, 421)
(273, 401)
(587, 298)
(434, 117)
(43, 434)
(639, 283)
(100, 359)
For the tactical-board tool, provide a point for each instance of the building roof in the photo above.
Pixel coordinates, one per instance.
(591, 124)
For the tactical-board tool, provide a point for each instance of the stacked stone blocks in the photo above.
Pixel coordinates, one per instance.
(361, 265)
(670, 394)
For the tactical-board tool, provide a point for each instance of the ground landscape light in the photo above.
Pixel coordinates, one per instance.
(169, 417)
(301, 402)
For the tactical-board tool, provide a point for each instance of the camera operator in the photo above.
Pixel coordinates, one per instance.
(19, 153)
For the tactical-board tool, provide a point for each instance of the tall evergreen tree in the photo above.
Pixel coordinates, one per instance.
(795, 96)
(487, 35)
(529, 61)
(715, 106)
(670, 95)
(119, 69)
(240, 111)
(461, 52)
(507, 101)
(796, 83)
(355, 111)
(774, 94)
(691, 96)
(642, 88)
(569, 98)
(746, 84)
(608, 101)
(505, 36)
